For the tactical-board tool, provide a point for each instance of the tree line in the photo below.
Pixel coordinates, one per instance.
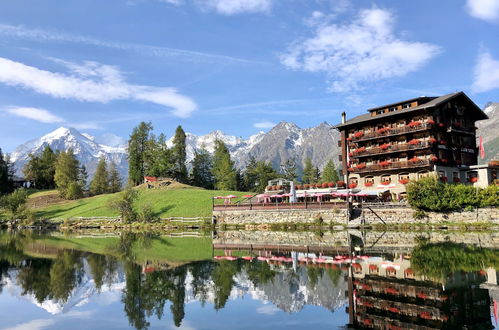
(149, 155)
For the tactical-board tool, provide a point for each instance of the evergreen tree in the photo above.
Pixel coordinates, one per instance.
(223, 168)
(41, 169)
(179, 155)
(201, 175)
(329, 173)
(114, 179)
(160, 163)
(289, 169)
(263, 172)
(67, 175)
(83, 177)
(137, 149)
(250, 177)
(100, 182)
(310, 172)
(6, 176)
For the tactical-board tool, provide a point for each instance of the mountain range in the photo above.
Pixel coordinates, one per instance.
(283, 142)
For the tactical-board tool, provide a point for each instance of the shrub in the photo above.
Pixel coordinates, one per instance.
(419, 214)
(124, 204)
(73, 191)
(147, 214)
(15, 203)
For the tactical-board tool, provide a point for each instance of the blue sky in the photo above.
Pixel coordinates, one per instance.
(236, 65)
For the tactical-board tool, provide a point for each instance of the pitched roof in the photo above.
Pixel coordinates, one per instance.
(430, 104)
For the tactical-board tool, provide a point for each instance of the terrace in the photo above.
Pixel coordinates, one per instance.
(388, 165)
(390, 131)
(391, 148)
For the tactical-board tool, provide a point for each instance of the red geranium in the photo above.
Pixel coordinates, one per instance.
(430, 121)
(385, 163)
(414, 141)
(443, 179)
(414, 123)
(456, 180)
(361, 166)
(404, 181)
(433, 158)
(341, 183)
(368, 184)
(352, 185)
(385, 183)
(432, 140)
(359, 134)
(384, 146)
(473, 179)
(330, 184)
(324, 185)
(414, 159)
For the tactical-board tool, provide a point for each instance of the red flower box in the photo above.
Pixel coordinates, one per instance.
(433, 158)
(385, 183)
(350, 154)
(324, 185)
(443, 179)
(306, 186)
(414, 123)
(373, 267)
(349, 139)
(330, 184)
(368, 184)
(404, 181)
(394, 310)
(385, 163)
(341, 183)
(430, 121)
(432, 140)
(456, 180)
(391, 291)
(359, 150)
(383, 130)
(352, 185)
(414, 141)
(473, 179)
(384, 146)
(414, 160)
(361, 166)
(351, 169)
(358, 134)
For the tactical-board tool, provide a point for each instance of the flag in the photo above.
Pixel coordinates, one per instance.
(482, 150)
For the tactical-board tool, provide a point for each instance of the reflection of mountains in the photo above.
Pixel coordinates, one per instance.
(289, 290)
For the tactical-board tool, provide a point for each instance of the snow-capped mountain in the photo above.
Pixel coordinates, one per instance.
(86, 148)
(488, 130)
(284, 141)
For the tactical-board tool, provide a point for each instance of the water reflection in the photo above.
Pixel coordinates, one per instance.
(435, 285)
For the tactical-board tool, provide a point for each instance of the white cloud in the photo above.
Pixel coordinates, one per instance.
(264, 124)
(267, 310)
(40, 35)
(92, 82)
(33, 325)
(486, 73)
(233, 7)
(37, 114)
(487, 10)
(365, 50)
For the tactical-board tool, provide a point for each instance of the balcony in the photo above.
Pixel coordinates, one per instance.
(391, 149)
(391, 166)
(391, 132)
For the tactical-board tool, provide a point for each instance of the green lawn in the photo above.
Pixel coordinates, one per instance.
(166, 203)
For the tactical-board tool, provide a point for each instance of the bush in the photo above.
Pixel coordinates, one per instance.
(74, 191)
(124, 203)
(429, 194)
(15, 204)
(147, 214)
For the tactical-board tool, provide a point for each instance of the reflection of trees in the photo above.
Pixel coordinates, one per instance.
(147, 294)
(65, 274)
(201, 275)
(334, 275)
(259, 272)
(223, 280)
(313, 275)
(438, 260)
(34, 279)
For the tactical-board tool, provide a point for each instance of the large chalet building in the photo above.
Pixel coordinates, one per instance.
(393, 144)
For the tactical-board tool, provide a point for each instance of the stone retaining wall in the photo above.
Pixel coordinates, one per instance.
(394, 215)
(279, 216)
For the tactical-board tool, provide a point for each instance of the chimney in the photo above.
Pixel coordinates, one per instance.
(343, 117)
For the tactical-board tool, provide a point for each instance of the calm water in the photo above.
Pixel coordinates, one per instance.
(249, 280)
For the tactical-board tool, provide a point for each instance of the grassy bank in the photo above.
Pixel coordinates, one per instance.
(188, 202)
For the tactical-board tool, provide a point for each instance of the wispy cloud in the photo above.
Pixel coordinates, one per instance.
(34, 325)
(41, 115)
(264, 124)
(363, 51)
(487, 10)
(92, 82)
(233, 7)
(267, 310)
(41, 35)
(486, 73)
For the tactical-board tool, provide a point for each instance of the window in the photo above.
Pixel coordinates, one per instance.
(354, 180)
(406, 106)
(386, 179)
(369, 180)
(392, 109)
(404, 176)
(423, 174)
(379, 112)
(441, 174)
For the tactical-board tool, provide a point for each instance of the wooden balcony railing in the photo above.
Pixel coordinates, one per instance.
(281, 206)
(392, 148)
(392, 166)
(393, 131)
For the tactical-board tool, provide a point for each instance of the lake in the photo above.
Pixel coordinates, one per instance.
(249, 280)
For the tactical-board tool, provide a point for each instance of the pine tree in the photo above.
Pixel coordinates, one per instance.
(289, 169)
(114, 178)
(137, 150)
(83, 177)
(179, 155)
(329, 173)
(100, 182)
(5, 174)
(250, 177)
(201, 175)
(223, 168)
(310, 172)
(264, 172)
(41, 169)
(67, 175)
(159, 158)
(32, 170)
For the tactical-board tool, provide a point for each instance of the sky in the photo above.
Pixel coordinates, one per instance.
(240, 66)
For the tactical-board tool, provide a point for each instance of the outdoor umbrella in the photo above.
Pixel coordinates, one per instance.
(229, 197)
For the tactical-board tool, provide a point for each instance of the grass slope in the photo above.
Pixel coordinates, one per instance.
(189, 202)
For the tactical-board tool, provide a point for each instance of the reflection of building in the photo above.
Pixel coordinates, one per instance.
(388, 295)
(404, 141)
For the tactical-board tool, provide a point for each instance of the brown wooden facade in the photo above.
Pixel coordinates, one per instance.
(396, 143)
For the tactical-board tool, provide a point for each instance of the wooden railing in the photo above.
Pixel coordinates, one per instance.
(393, 148)
(393, 166)
(281, 206)
(392, 131)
